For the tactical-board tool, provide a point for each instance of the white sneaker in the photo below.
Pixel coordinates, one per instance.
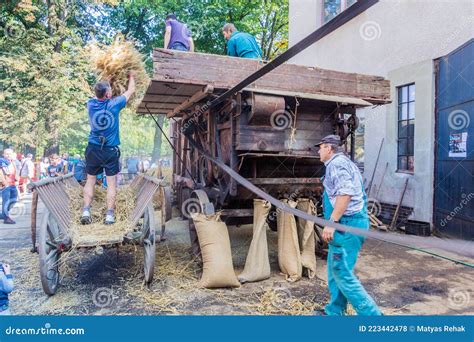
(109, 219)
(86, 217)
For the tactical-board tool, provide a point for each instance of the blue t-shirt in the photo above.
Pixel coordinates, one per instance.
(104, 120)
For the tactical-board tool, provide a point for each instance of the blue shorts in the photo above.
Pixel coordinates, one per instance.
(103, 158)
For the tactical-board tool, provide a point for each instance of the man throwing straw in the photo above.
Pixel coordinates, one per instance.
(102, 152)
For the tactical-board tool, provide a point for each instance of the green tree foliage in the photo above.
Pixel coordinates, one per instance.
(46, 77)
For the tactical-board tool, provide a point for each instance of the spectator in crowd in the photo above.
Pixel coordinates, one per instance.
(132, 166)
(27, 172)
(79, 168)
(6, 287)
(44, 164)
(67, 165)
(8, 185)
(146, 164)
(55, 167)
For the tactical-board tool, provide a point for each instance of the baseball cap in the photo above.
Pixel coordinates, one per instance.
(330, 139)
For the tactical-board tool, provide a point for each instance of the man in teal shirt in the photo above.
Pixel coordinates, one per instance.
(240, 44)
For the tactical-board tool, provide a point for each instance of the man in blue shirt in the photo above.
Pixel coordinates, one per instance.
(344, 201)
(177, 35)
(241, 44)
(102, 152)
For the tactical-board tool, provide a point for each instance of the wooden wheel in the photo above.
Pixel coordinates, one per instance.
(148, 241)
(166, 209)
(49, 248)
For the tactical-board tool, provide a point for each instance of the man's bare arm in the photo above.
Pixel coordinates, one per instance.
(167, 36)
(131, 87)
(342, 202)
(191, 44)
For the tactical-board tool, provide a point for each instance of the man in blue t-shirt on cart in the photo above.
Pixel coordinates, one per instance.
(102, 152)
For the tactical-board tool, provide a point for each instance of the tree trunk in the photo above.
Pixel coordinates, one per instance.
(52, 144)
(157, 140)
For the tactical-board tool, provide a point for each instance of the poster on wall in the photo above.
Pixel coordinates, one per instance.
(458, 145)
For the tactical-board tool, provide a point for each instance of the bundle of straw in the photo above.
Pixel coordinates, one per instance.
(114, 63)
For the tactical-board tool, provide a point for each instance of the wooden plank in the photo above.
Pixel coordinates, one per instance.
(393, 224)
(223, 72)
(268, 181)
(198, 96)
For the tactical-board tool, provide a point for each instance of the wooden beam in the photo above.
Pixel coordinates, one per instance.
(198, 96)
(269, 181)
(223, 72)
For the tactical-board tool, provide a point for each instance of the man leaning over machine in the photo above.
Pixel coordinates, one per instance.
(345, 202)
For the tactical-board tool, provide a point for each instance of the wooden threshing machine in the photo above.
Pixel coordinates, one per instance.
(266, 132)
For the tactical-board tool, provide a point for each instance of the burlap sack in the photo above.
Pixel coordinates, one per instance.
(306, 237)
(257, 264)
(289, 257)
(218, 270)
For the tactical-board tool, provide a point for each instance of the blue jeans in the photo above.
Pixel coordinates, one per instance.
(179, 47)
(9, 198)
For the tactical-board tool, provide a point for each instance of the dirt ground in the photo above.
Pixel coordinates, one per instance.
(400, 280)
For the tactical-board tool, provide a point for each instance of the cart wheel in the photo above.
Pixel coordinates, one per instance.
(49, 253)
(148, 236)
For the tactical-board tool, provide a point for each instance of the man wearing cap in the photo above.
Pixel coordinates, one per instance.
(102, 152)
(344, 202)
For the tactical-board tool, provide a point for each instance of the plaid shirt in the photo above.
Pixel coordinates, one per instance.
(344, 178)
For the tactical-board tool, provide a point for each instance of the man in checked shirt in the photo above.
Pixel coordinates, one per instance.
(344, 202)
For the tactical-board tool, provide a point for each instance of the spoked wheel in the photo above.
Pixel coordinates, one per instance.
(197, 203)
(166, 209)
(148, 241)
(49, 249)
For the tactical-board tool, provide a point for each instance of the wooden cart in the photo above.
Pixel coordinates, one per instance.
(54, 239)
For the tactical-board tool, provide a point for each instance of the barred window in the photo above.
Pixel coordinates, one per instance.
(406, 127)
